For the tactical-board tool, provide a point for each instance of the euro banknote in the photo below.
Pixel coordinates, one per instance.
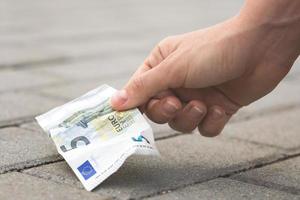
(94, 139)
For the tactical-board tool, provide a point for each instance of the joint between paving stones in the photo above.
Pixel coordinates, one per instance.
(267, 112)
(261, 144)
(270, 185)
(287, 189)
(258, 164)
(34, 63)
(56, 60)
(168, 136)
(30, 164)
(34, 89)
(28, 119)
(16, 122)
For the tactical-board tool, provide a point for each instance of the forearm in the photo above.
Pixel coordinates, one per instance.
(276, 24)
(281, 12)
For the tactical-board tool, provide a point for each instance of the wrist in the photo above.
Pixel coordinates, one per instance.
(274, 39)
(275, 20)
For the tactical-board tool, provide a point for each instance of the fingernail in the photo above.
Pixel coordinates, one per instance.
(119, 98)
(196, 112)
(170, 108)
(216, 114)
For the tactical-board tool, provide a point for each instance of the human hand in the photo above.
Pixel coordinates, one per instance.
(200, 79)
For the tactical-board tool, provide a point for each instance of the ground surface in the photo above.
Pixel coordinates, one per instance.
(53, 51)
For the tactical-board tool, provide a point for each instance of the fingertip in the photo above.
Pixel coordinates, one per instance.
(163, 110)
(214, 122)
(171, 106)
(189, 117)
(119, 99)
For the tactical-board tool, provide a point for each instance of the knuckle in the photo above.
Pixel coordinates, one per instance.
(167, 40)
(161, 51)
(137, 84)
(166, 46)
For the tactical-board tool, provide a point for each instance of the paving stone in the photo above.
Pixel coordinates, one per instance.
(33, 126)
(279, 129)
(282, 175)
(108, 68)
(21, 56)
(185, 159)
(106, 48)
(11, 80)
(284, 96)
(68, 15)
(294, 75)
(71, 91)
(222, 188)
(161, 131)
(20, 148)
(21, 186)
(15, 105)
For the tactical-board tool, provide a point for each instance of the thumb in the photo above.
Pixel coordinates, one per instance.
(141, 88)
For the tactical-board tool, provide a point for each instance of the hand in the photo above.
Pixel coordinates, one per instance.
(200, 79)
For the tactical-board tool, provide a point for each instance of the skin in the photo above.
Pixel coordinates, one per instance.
(200, 79)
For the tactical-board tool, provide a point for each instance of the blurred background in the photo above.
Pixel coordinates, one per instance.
(54, 51)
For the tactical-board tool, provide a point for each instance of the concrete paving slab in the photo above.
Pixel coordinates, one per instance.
(12, 80)
(286, 95)
(15, 105)
(21, 186)
(68, 15)
(21, 148)
(223, 188)
(282, 175)
(279, 129)
(293, 76)
(162, 131)
(70, 91)
(114, 67)
(23, 56)
(185, 160)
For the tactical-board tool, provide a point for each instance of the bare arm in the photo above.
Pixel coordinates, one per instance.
(200, 79)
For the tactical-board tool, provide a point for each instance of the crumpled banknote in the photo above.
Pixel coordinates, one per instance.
(94, 139)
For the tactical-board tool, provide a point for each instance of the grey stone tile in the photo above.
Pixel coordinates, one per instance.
(12, 80)
(282, 175)
(15, 105)
(37, 44)
(124, 17)
(71, 91)
(105, 48)
(115, 67)
(280, 129)
(284, 96)
(293, 76)
(21, 56)
(222, 188)
(33, 126)
(21, 186)
(20, 148)
(185, 159)
(161, 131)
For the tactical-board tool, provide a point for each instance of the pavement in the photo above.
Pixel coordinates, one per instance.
(54, 51)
